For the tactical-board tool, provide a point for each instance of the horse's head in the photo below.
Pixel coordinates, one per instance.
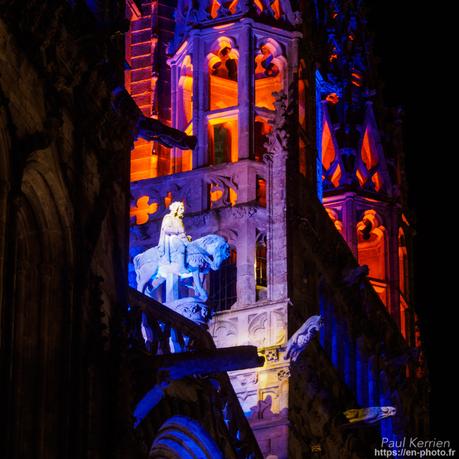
(218, 249)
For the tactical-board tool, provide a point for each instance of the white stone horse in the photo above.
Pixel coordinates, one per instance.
(202, 255)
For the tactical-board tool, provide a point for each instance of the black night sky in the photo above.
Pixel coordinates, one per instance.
(410, 45)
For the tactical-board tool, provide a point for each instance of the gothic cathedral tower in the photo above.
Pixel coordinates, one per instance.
(281, 105)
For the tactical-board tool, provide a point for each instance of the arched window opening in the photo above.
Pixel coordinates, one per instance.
(223, 75)
(371, 246)
(269, 73)
(223, 140)
(222, 284)
(261, 274)
(261, 191)
(185, 102)
(262, 129)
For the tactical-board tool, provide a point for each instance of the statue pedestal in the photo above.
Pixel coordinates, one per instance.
(191, 308)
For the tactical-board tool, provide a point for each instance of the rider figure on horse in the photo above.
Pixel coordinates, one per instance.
(173, 240)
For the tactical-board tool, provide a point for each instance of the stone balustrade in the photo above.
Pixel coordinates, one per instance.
(156, 331)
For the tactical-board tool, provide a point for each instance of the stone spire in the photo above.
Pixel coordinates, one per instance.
(352, 155)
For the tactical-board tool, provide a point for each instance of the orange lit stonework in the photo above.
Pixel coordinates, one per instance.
(222, 70)
(143, 210)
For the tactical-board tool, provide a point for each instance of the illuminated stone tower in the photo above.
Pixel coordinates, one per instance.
(361, 169)
(281, 103)
(226, 60)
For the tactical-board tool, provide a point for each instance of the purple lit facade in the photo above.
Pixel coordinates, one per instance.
(305, 186)
(291, 171)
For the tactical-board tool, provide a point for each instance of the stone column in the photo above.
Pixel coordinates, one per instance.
(245, 89)
(246, 180)
(200, 99)
(246, 263)
(276, 159)
(175, 74)
(174, 114)
(292, 62)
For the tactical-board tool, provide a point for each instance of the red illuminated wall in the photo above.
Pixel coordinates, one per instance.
(148, 79)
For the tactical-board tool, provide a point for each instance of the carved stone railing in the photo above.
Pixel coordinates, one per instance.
(159, 330)
(206, 188)
(156, 331)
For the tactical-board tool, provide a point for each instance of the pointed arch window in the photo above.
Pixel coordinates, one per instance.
(223, 138)
(223, 75)
(261, 191)
(269, 73)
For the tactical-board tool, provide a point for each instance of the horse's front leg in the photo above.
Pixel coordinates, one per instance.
(198, 288)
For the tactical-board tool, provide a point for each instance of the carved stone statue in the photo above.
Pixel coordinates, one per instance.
(176, 257)
(369, 415)
(173, 239)
(301, 338)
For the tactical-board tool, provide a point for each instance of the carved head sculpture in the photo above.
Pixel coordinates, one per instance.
(218, 249)
(177, 209)
(222, 253)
